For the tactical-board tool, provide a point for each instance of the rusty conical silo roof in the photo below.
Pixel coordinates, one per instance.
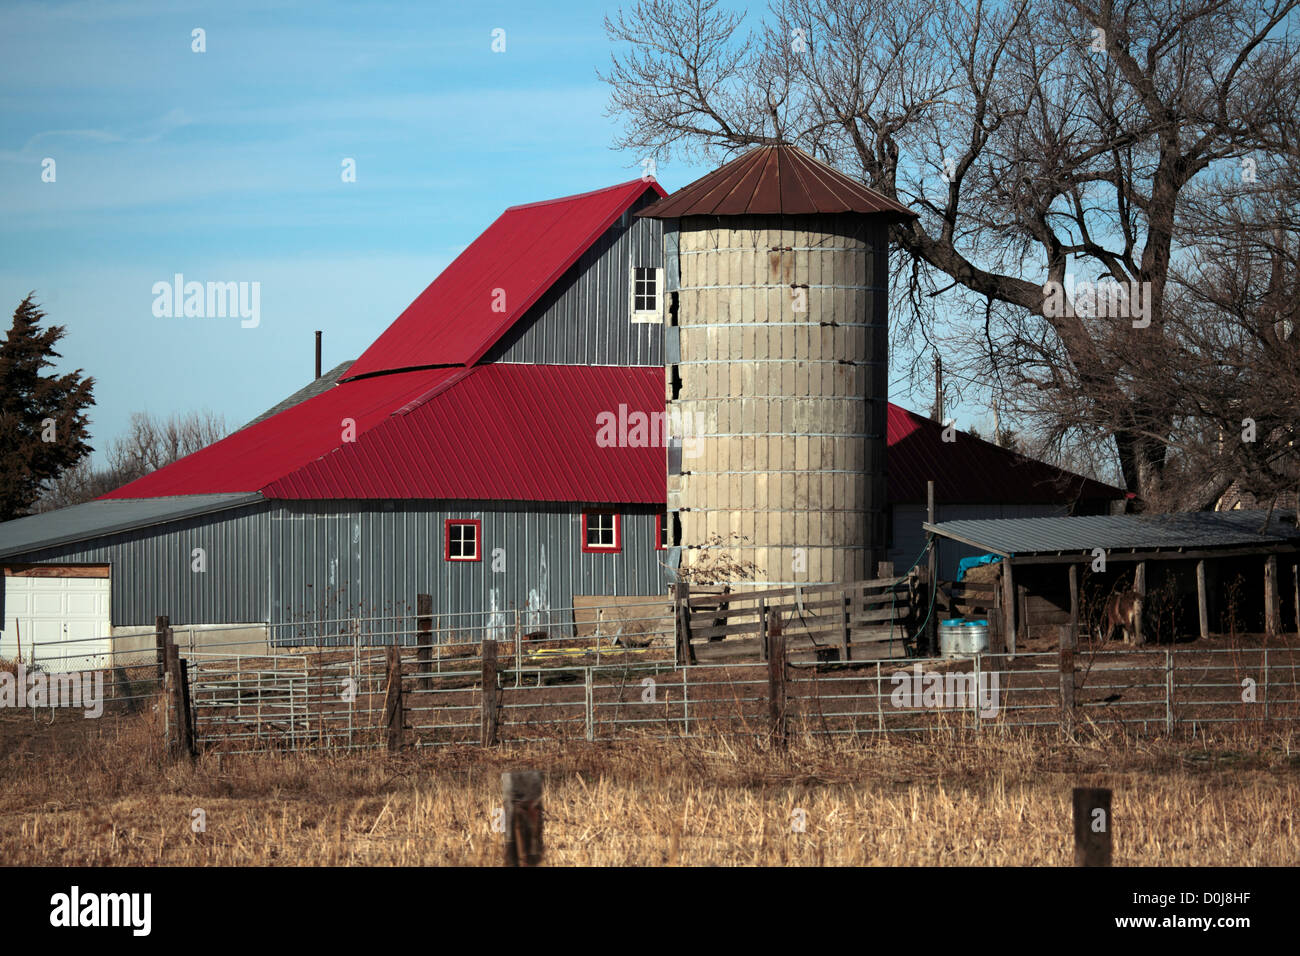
(775, 180)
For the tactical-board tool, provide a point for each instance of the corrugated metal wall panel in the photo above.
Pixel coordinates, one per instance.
(584, 318)
(151, 567)
(532, 562)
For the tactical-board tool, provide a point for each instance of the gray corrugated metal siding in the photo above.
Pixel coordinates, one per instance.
(397, 553)
(584, 319)
(151, 574)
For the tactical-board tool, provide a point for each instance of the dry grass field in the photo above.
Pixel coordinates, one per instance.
(98, 792)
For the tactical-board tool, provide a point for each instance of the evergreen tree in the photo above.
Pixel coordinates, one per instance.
(42, 416)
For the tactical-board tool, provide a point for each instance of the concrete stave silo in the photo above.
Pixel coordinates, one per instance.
(779, 268)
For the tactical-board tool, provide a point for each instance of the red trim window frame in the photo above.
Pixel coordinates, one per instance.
(602, 549)
(478, 539)
(661, 523)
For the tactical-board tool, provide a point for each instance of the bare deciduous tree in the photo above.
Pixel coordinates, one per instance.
(1041, 142)
(148, 444)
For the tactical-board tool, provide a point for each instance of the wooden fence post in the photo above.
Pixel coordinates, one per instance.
(180, 726)
(161, 624)
(846, 637)
(424, 639)
(488, 716)
(685, 653)
(1067, 678)
(1092, 826)
(924, 584)
(189, 744)
(762, 630)
(394, 711)
(776, 682)
(1169, 692)
(521, 796)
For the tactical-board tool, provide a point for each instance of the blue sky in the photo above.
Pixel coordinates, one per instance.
(225, 166)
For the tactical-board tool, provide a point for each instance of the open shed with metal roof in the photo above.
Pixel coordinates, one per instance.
(1194, 573)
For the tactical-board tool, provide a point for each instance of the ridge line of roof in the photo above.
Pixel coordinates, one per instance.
(588, 193)
(452, 380)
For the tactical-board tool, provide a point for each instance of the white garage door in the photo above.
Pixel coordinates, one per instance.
(62, 622)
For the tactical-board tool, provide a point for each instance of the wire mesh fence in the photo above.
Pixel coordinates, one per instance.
(613, 673)
(313, 701)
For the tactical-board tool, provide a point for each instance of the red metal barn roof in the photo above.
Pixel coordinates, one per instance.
(502, 431)
(775, 180)
(461, 314)
(971, 470)
(254, 456)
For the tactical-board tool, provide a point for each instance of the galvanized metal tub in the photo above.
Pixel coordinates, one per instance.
(959, 637)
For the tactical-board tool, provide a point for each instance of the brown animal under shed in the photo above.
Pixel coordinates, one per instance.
(1191, 574)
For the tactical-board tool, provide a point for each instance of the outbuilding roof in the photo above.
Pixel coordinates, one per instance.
(775, 180)
(101, 517)
(1192, 530)
(968, 470)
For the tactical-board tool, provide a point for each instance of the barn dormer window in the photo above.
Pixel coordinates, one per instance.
(647, 284)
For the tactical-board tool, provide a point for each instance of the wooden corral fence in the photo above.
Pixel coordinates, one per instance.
(863, 620)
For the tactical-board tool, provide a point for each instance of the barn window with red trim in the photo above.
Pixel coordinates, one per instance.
(600, 531)
(463, 540)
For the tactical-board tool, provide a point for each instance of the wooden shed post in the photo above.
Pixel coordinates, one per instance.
(488, 715)
(1202, 607)
(424, 639)
(1140, 586)
(1009, 616)
(1022, 616)
(1295, 576)
(1092, 826)
(1074, 605)
(521, 797)
(394, 716)
(997, 640)
(1272, 598)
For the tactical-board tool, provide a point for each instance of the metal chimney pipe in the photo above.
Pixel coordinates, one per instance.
(318, 354)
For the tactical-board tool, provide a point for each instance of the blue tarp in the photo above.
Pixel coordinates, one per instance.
(965, 564)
